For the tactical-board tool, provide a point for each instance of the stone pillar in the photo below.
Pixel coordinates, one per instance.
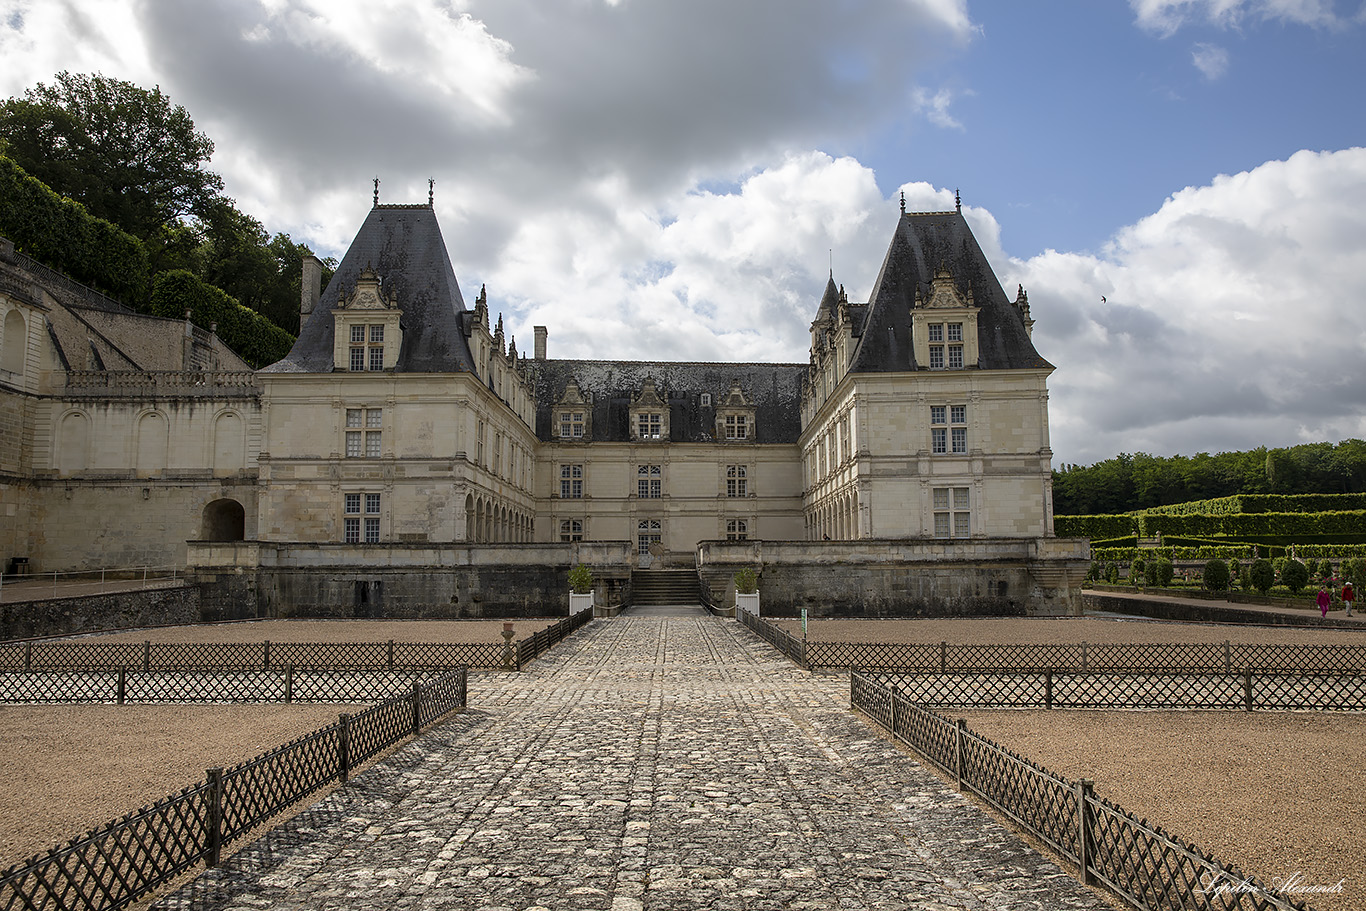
(541, 334)
(310, 288)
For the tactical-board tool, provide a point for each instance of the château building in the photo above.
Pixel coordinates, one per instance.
(407, 459)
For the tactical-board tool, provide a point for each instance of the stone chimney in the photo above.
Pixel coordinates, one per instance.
(541, 334)
(310, 288)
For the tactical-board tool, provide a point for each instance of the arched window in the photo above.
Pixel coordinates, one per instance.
(229, 445)
(151, 444)
(73, 444)
(16, 341)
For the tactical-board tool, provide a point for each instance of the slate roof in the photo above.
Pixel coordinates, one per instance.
(403, 244)
(923, 243)
(774, 390)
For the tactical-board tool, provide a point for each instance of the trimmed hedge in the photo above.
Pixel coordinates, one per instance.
(62, 235)
(1287, 526)
(1265, 502)
(251, 335)
(1097, 528)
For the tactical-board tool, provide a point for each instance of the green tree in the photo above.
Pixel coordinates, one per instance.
(1216, 575)
(1294, 576)
(1262, 575)
(1165, 571)
(126, 153)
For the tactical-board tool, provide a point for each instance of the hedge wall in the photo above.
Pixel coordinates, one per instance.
(1283, 525)
(1265, 502)
(251, 335)
(59, 233)
(1098, 528)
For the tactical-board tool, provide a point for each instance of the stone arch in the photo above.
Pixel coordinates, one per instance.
(224, 520)
(469, 517)
(152, 436)
(15, 343)
(73, 443)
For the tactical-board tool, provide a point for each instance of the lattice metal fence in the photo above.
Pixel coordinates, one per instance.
(776, 636)
(532, 647)
(1050, 689)
(1142, 863)
(242, 656)
(1224, 656)
(287, 685)
(117, 863)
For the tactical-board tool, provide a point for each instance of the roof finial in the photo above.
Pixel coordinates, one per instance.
(957, 202)
(903, 202)
(376, 191)
(431, 189)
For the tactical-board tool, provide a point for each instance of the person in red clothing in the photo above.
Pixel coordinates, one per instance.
(1348, 596)
(1324, 599)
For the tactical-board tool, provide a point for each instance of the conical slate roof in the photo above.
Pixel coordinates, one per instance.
(403, 244)
(923, 243)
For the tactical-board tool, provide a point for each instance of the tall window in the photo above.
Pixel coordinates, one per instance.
(367, 347)
(737, 427)
(948, 428)
(648, 532)
(955, 346)
(571, 425)
(737, 482)
(936, 339)
(363, 432)
(952, 512)
(571, 529)
(649, 425)
(571, 482)
(649, 482)
(498, 454)
(479, 446)
(737, 530)
(360, 519)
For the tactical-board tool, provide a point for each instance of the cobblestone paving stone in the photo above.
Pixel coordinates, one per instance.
(659, 761)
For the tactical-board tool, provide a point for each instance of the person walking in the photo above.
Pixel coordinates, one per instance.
(1348, 596)
(1323, 601)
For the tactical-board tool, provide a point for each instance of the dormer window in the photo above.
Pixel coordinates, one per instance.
(368, 333)
(649, 413)
(649, 425)
(571, 425)
(571, 416)
(944, 326)
(737, 427)
(735, 416)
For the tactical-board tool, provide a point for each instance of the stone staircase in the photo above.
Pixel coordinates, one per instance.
(665, 586)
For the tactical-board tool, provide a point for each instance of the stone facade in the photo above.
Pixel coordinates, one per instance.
(404, 436)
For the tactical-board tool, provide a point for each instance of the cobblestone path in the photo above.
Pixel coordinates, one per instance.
(653, 761)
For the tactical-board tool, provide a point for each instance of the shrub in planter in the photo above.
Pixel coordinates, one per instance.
(1136, 569)
(581, 580)
(1112, 573)
(1165, 571)
(747, 581)
(1295, 576)
(1150, 574)
(1216, 575)
(1096, 571)
(1262, 575)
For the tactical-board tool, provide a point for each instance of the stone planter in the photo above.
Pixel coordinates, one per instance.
(748, 603)
(580, 602)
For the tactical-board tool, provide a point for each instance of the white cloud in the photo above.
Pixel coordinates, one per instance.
(1210, 59)
(1166, 17)
(935, 107)
(1230, 321)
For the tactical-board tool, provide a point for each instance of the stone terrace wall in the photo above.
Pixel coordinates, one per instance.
(91, 613)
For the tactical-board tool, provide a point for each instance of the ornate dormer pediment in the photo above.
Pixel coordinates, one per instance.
(369, 294)
(649, 413)
(572, 416)
(944, 293)
(735, 416)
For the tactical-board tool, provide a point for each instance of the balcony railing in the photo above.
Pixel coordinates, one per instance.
(145, 383)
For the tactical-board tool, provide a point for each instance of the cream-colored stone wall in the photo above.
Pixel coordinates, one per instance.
(693, 504)
(454, 462)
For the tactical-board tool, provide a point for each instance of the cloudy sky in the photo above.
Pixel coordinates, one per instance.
(1179, 184)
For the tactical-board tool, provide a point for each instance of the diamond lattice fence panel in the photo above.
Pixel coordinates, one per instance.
(379, 726)
(259, 788)
(205, 686)
(59, 686)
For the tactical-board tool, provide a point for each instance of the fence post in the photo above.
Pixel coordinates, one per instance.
(265, 660)
(959, 735)
(214, 822)
(1085, 791)
(943, 656)
(391, 654)
(146, 654)
(289, 683)
(417, 707)
(509, 662)
(1085, 658)
(1247, 688)
(1048, 688)
(1228, 658)
(893, 694)
(28, 656)
(344, 746)
(123, 685)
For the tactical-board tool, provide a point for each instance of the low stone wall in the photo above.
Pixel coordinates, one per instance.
(904, 578)
(93, 613)
(1201, 611)
(398, 581)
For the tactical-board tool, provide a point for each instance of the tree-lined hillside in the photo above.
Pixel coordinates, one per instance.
(1141, 481)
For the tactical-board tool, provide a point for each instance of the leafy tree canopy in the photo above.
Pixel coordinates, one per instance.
(126, 153)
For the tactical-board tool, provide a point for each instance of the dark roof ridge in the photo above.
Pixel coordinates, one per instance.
(598, 360)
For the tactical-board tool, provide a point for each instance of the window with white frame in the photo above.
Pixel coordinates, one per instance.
(571, 425)
(948, 429)
(571, 482)
(571, 530)
(737, 529)
(955, 337)
(479, 446)
(364, 432)
(648, 532)
(367, 347)
(498, 454)
(649, 482)
(360, 519)
(737, 481)
(952, 512)
(936, 338)
(649, 425)
(737, 427)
